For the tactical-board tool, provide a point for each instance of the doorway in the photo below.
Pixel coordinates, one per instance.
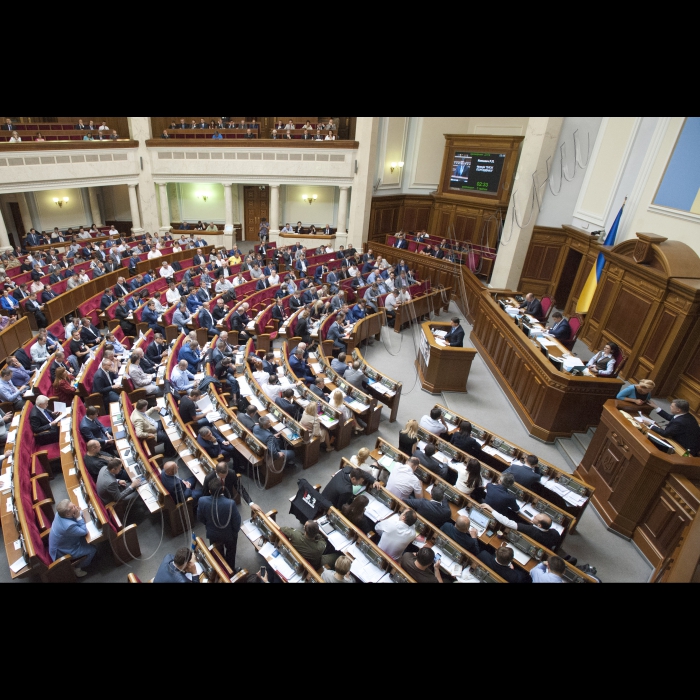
(568, 276)
(257, 208)
(19, 224)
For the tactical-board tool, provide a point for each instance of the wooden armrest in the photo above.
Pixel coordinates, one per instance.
(240, 576)
(272, 514)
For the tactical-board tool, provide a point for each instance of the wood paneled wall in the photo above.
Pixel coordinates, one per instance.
(439, 216)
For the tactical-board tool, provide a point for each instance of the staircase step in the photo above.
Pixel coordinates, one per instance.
(583, 440)
(591, 431)
(571, 452)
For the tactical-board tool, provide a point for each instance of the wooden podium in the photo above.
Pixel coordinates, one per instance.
(442, 368)
(628, 471)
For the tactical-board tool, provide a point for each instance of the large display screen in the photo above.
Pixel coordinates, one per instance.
(477, 172)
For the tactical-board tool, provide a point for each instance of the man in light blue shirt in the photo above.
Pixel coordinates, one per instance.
(181, 378)
(67, 536)
(119, 349)
(550, 571)
(9, 392)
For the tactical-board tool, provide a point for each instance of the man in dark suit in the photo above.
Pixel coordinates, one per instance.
(44, 423)
(302, 328)
(682, 427)
(92, 429)
(54, 278)
(222, 520)
(103, 383)
(278, 312)
(8, 126)
(437, 511)
(285, 402)
(401, 243)
(121, 288)
(463, 534)
(502, 564)
(150, 316)
(107, 299)
(560, 328)
(263, 283)
(34, 239)
(532, 306)
(247, 419)
(228, 481)
(206, 320)
(455, 338)
(498, 497)
(60, 361)
(464, 441)
(426, 458)
(527, 474)
(121, 313)
(89, 334)
(33, 306)
(48, 294)
(156, 350)
(540, 530)
(21, 292)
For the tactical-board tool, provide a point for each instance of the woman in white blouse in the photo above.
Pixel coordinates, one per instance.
(16, 138)
(468, 476)
(330, 137)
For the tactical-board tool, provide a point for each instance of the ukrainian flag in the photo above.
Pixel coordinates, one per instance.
(584, 301)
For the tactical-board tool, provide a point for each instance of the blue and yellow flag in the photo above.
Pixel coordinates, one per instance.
(584, 301)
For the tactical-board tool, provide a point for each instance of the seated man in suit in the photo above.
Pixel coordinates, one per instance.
(157, 350)
(33, 306)
(95, 459)
(89, 334)
(92, 429)
(339, 364)
(463, 534)
(180, 490)
(527, 474)
(286, 403)
(318, 387)
(498, 497)
(220, 311)
(682, 427)
(455, 338)
(140, 378)
(180, 568)
(464, 441)
(150, 316)
(355, 376)
(502, 564)
(532, 306)
(190, 353)
(48, 294)
(437, 510)
(336, 333)
(44, 423)
(181, 318)
(122, 313)
(248, 419)
(214, 444)
(278, 312)
(300, 367)
(426, 458)
(559, 328)
(103, 383)
(112, 489)
(540, 530)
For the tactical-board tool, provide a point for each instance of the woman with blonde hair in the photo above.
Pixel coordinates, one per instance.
(337, 403)
(363, 460)
(408, 438)
(310, 421)
(639, 393)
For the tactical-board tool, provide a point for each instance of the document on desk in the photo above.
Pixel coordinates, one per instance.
(440, 334)
(376, 510)
(255, 401)
(282, 568)
(18, 565)
(267, 549)
(225, 428)
(251, 531)
(15, 420)
(339, 541)
(328, 422)
(569, 496)
(546, 342)
(122, 445)
(371, 573)
(93, 530)
(78, 493)
(520, 556)
(205, 405)
(317, 367)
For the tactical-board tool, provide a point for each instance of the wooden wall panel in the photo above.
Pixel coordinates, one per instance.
(659, 336)
(628, 313)
(602, 303)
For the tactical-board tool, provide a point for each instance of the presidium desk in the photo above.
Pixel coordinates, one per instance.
(440, 367)
(551, 403)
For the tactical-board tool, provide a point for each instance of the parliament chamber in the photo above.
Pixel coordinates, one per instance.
(349, 349)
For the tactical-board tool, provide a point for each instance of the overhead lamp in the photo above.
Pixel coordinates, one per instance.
(309, 198)
(400, 164)
(60, 202)
(203, 195)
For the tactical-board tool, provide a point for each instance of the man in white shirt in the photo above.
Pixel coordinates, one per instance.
(239, 280)
(166, 271)
(273, 279)
(39, 351)
(172, 295)
(104, 127)
(403, 483)
(154, 253)
(289, 126)
(287, 229)
(397, 534)
(434, 423)
(222, 286)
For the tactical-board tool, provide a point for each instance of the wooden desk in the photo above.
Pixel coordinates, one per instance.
(627, 470)
(421, 306)
(442, 368)
(550, 403)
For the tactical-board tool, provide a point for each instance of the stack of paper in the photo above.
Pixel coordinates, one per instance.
(93, 530)
(267, 550)
(81, 501)
(251, 531)
(282, 568)
(339, 541)
(18, 565)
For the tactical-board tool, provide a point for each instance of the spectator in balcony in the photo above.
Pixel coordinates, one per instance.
(331, 125)
(88, 137)
(202, 124)
(39, 137)
(16, 138)
(330, 137)
(104, 127)
(319, 135)
(249, 134)
(183, 125)
(165, 134)
(193, 125)
(114, 135)
(217, 135)
(275, 135)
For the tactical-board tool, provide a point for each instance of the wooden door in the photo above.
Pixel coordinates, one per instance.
(257, 207)
(19, 224)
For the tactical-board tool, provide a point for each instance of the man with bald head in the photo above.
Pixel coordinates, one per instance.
(95, 459)
(180, 490)
(463, 534)
(541, 529)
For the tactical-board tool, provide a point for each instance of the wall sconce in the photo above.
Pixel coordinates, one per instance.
(60, 202)
(400, 164)
(309, 198)
(202, 195)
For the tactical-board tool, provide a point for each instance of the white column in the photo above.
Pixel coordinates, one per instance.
(274, 212)
(228, 222)
(25, 214)
(4, 236)
(366, 134)
(140, 130)
(343, 210)
(33, 210)
(134, 205)
(174, 202)
(95, 207)
(540, 143)
(164, 208)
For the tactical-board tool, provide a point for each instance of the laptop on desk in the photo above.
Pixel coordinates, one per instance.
(479, 521)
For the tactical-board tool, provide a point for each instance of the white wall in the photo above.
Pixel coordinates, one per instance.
(69, 215)
(323, 211)
(196, 209)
